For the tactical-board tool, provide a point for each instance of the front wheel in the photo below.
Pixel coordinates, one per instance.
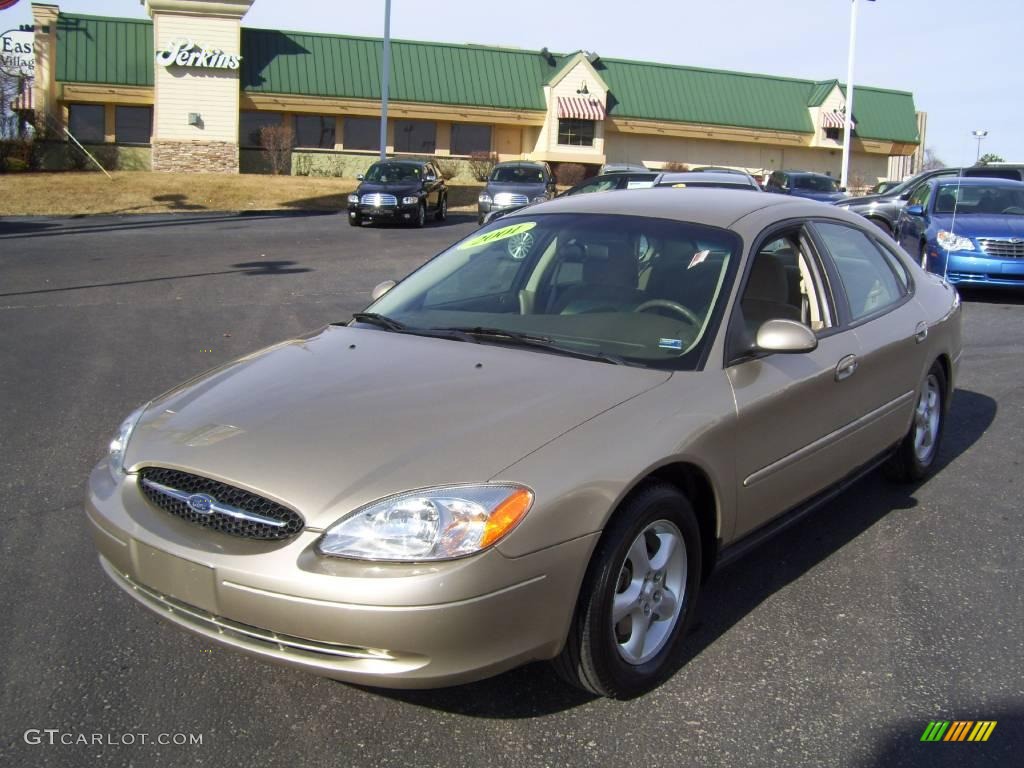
(354, 219)
(638, 597)
(421, 215)
(914, 459)
(442, 209)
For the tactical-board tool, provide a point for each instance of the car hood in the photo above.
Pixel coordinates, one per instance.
(867, 199)
(825, 197)
(392, 188)
(346, 416)
(530, 190)
(979, 225)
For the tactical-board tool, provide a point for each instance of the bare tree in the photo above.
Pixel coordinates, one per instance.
(481, 164)
(931, 161)
(277, 142)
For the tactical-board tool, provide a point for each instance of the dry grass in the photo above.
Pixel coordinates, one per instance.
(72, 194)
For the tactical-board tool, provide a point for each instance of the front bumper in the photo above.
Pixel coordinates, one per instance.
(384, 212)
(970, 268)
(400, 626)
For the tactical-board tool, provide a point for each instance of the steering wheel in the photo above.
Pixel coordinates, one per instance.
(686, 313)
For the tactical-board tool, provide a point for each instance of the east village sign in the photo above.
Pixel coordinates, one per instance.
(191, 55)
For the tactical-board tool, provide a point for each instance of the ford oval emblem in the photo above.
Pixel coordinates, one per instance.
(201, 503)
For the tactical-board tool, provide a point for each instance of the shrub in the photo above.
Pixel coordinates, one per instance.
(277, 141)
(481, 164)
(448, 166)
(672, 166)
(570, 174)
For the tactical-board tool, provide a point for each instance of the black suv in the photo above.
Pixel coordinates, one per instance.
(405, 191)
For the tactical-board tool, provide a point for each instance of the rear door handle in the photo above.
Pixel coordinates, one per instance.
(846, 367)
(921, 332)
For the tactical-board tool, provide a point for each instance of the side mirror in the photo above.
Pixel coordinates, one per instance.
(787, 336)
(842, 189)
(359, 177)
(914, 210)
(381, 288)
(430, 178)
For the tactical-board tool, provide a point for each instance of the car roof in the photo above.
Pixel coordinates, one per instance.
(401, 162)
(809, 173)
(976, 181)
(519, 164)
(711, 206)
(705, 177)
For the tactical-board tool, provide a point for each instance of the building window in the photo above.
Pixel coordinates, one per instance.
(835, 134)
(250, 124)
(315, 131)
(415, 136)
(467, 139)
(133, 125)
(362, 133)
(86, 122)
(576, 133)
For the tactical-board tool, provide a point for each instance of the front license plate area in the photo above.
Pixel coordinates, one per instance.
(176, 577)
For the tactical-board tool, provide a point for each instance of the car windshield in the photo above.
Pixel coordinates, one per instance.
(634, 289)
(980, 199)
(387, 172)
(515, 174)
(816, 183)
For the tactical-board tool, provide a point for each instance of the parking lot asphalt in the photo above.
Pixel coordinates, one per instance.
(834, 644)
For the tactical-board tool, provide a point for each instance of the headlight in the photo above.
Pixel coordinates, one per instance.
(951, 242)
(433, 524)
(484, 198)
(540, 199)
(118, 446)
(353, 198)
(410, 200)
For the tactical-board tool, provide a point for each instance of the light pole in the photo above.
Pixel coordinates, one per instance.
(848, 122)
(979, 135)
(385, 77)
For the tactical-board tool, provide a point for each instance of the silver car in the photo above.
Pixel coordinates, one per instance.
(538, 445)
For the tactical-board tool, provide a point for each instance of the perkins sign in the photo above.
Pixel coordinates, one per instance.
(16, 56)
(185, 53)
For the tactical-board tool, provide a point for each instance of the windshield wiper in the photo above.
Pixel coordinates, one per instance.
(517, 338)
(383, 321)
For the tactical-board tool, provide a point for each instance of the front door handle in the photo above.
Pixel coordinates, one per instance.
(846, 367)
(921, 332)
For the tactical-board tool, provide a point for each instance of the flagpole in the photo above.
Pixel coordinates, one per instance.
(385, 79)
(848, 123)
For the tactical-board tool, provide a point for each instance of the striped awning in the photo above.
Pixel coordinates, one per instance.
(580, 109)
(834, 120)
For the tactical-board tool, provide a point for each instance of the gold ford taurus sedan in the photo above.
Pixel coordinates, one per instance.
(536, 446)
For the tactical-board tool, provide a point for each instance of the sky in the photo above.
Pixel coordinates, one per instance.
(959, 58)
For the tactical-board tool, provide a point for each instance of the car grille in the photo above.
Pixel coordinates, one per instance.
(287, 521)
(507, 198)
(378, 200)
(998, 246)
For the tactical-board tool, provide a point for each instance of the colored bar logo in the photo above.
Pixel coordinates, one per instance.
(958, 730)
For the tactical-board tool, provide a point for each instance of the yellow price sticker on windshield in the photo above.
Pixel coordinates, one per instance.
(498, 234)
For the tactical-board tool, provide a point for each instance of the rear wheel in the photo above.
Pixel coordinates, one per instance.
(882, 225)
(915, 457)
(421, 215)
(442, 209)
(638, 597)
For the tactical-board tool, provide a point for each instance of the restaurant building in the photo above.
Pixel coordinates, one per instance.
(190, 88)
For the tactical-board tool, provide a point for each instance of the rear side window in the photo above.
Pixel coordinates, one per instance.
(869, 280)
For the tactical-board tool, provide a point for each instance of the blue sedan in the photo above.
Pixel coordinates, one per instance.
(970, 230)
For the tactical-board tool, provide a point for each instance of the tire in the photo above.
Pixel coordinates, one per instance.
(442, 209)
(924, 257)
(480, 220)
(355, 221)
(882, 225)
(605, 658)
(914, 459)
(421, 216)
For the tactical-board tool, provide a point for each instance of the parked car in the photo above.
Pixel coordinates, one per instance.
(698, 179)
(883, 186)
(813, 186)
(970, 230)
(605, 183)
(404, 191)
(884, 209)
(515, 184)
(622, 168)
(537, 445)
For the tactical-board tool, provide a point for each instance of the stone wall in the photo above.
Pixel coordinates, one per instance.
(195, 156)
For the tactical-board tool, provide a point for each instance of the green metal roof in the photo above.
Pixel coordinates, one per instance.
(349, 67)
(93, 49)
(97, 49)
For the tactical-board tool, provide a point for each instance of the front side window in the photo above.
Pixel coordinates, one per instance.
(314, 131)
(869, 280)
(468, 138)
(576, 133)
(250, 124)
(361, 133)
(920, 195)
(415, 136)
(133, 125)
(86, 122)
(640, 290)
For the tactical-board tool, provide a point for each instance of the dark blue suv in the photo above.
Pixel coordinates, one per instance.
(814, 186)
